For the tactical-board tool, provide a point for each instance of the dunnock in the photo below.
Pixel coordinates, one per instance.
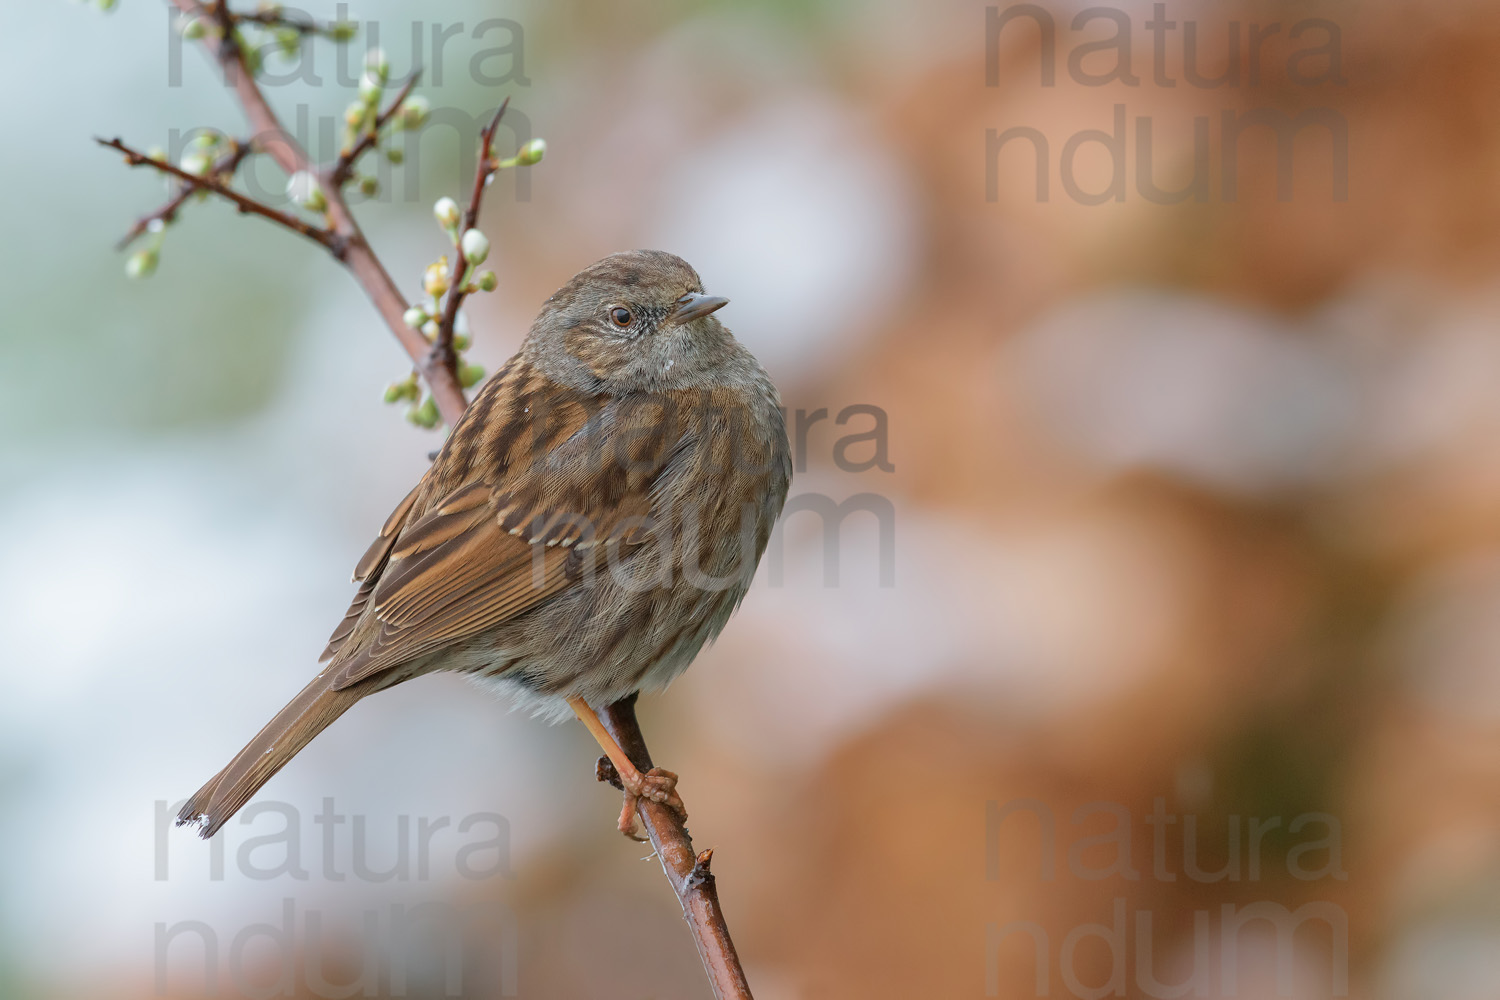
(593, 519)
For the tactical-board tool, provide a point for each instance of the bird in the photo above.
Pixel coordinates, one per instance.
(592, 520)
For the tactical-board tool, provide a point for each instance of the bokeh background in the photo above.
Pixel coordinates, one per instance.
(1196, 511)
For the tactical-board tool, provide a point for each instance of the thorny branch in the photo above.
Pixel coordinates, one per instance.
(225, 166)
(689, 873)
(194, 182)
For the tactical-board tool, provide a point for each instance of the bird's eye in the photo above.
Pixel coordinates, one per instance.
(620, 316)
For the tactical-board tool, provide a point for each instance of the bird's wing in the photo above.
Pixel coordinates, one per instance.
(506, 536)
(368, 570)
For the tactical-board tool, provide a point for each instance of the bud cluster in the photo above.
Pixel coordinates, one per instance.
(472, 247)
(269, 27)
(444, 285)
(210, 154)
(362, 116)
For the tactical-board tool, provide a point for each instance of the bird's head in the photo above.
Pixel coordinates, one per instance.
(634, 321)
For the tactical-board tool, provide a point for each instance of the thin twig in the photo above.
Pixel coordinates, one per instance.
(442, 346)
(247, 205)
(690, 874)
(343, 167)
(280, 19)
(225, 166)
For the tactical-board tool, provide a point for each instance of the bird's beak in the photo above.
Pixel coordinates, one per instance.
(695, 305)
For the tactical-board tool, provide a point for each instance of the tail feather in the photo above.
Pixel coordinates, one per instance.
(293, 728)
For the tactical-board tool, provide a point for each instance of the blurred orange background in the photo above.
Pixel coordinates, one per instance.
(1196, 510)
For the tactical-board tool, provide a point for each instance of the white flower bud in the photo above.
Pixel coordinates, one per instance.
(142, 264)
(476, 246)
(415, 317)
(532, 152)
(430, 329)
(370, 87)
(435, 278)
(195, 162)
(414, 112)
(378, 65)
(447, 213)
(302, 187)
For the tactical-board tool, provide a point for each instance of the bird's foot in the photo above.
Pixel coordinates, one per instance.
(656, 785)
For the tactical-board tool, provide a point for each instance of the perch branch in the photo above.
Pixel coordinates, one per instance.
(690, 873)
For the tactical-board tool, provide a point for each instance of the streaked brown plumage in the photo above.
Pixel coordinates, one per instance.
(593, 519)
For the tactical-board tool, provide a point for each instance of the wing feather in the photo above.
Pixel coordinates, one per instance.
(517, 506)
(369, 566)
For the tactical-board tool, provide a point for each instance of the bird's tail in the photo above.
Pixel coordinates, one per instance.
(293, 728)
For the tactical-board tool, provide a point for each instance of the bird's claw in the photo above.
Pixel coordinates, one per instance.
(656, 785)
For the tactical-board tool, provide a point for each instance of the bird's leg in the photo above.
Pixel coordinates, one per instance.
(657, 784)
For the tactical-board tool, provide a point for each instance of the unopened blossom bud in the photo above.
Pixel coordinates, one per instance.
(195, 162)
(370, 87)
(302, 187)
(476, 246)
(435, 279)
(447, 213)
(425, 415)
(141, 264)
(532, 152)
(377, 65)
(414, 112)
